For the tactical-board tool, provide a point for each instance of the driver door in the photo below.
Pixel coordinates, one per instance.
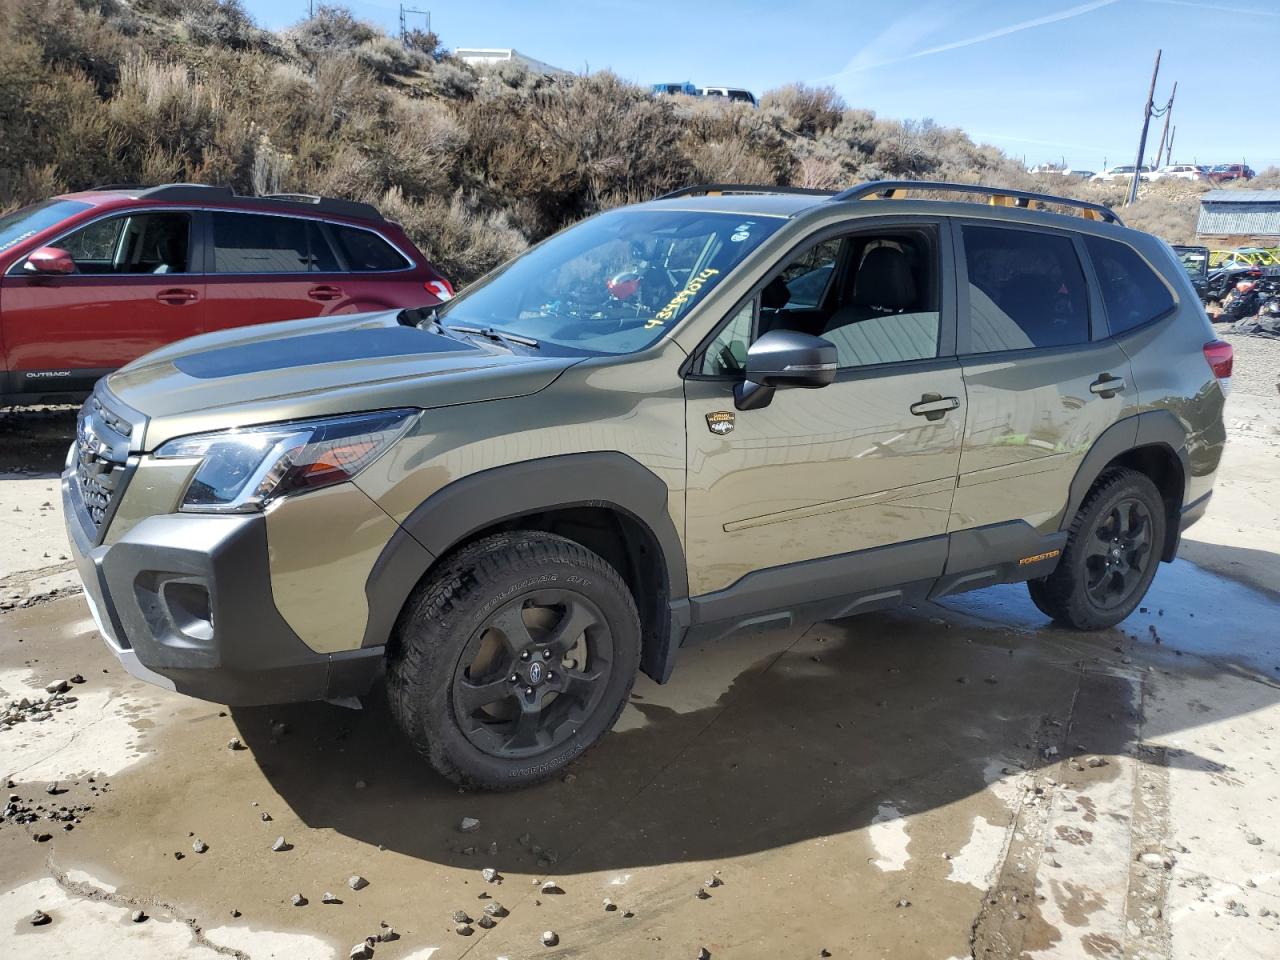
(133, 291)
(796, 491)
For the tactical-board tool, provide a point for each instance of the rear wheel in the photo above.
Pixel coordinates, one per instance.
(513, 659)
(1111, 556)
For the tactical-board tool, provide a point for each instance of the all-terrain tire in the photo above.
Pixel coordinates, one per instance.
(446, 611)
(1063, 594)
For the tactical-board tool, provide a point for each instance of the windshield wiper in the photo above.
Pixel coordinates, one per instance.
(499, 336)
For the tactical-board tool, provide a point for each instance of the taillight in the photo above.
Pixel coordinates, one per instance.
(440, 289)
(1220, 355)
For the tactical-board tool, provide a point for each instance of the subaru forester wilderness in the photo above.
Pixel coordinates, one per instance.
(730, 406)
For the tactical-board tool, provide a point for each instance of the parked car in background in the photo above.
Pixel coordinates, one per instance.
(1226, 172)
(685, 89)
(735, 94)
(1113, 174)
(90, 281)
(1180, 171)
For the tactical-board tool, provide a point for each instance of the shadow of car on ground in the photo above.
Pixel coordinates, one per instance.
(809, 737)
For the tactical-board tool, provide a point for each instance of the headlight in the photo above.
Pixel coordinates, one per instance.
(243, 470)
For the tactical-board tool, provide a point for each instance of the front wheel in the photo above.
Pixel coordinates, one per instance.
(513, 659)
(1112, 552)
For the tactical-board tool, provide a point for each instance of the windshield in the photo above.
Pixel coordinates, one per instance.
(27, 222)
(1224, 168)
(612, 284)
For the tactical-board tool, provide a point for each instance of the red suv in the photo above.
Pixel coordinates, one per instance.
(90, 281)
(1226, 172)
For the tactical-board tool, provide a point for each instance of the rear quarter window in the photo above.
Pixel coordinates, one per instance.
(1131, 291)
(365, 251)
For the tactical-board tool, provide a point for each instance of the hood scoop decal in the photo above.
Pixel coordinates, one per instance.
(367, 343)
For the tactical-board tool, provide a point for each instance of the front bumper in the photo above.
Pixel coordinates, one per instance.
(184, 602)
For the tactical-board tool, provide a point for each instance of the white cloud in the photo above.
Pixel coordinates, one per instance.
(893, 44)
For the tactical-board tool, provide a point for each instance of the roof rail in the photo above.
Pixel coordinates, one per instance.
(203, 193)
(185, 192)
(996, 196)
(711, 189)
(343, 208)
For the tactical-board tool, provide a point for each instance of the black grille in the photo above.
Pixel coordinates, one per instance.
(102, 446)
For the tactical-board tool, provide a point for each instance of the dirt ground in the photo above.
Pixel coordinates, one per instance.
(948, 780)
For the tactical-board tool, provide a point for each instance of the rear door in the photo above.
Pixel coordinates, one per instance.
(268, 267)
(134, 289)
(1042, 380)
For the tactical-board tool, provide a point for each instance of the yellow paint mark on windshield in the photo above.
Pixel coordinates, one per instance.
(680, 299)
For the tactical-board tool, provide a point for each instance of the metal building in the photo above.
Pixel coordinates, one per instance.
(1240, 218)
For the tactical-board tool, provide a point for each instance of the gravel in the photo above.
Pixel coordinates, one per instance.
(1257, 363)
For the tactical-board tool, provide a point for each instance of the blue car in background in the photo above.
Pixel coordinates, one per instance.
(674, 89)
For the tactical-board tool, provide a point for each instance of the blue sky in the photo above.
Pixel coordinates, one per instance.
(1048, 79)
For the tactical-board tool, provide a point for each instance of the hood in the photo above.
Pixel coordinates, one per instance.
(317, 367)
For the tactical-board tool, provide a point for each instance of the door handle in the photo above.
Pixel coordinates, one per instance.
(324, 292)
(1107, 386)
(934, 406)
(177, 297)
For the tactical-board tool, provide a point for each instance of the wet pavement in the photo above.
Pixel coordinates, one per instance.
(946, 780)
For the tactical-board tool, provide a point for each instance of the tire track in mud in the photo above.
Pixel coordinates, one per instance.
(1086, 869)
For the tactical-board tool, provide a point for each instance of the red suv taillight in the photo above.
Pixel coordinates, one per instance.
(1220, 355)
(440, 289)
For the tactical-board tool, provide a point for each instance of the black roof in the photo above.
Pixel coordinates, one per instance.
(206, 193)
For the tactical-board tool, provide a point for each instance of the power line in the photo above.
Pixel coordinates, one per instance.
(1167, 113)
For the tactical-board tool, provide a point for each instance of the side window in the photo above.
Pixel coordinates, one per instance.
(365, 251)
(809, 274)
(1026, 290)
(253, 243)
(1131, 292)
(142, 243)
(93, 248)
(727, 353)
(887, 308)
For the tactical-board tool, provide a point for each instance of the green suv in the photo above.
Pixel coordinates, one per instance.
(730, 406)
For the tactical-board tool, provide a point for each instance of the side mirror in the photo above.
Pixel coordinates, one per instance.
(784, 358)
(49, 261)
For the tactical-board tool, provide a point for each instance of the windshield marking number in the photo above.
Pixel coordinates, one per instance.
(681, 298)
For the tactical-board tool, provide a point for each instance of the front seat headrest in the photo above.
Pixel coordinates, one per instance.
(885, 281)
(775, 295)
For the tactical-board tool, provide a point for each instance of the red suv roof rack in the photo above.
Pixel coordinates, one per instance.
(205, 193)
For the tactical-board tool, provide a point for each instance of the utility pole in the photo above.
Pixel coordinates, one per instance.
(1168, 112)
(1169, 150)
(1142, 141)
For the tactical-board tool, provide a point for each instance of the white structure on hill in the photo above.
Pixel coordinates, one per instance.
(492, 56)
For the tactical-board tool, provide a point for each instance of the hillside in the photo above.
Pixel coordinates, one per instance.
(476, 166)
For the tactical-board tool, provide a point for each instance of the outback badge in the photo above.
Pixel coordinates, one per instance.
(720, 422)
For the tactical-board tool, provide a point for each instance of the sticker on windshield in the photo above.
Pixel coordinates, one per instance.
(739, 236)
(18, 239)
(680, 299)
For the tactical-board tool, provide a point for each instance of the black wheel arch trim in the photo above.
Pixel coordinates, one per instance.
(1151, 428)
(463, 508)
